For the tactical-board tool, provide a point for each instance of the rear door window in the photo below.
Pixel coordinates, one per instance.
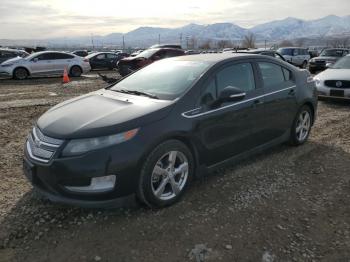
(46, 56)
(274, 76)
(62, 56)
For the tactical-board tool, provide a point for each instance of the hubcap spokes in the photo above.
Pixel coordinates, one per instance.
(303, 125)
(170, 175)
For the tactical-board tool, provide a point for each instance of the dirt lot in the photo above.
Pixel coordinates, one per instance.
(288, 204)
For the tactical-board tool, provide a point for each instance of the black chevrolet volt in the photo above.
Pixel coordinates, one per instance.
(150, 134)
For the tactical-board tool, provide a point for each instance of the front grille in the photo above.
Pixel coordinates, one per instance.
(41, 147)
(320, 62)
(337, 83)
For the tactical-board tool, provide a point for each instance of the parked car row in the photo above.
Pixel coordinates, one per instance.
(46, 63)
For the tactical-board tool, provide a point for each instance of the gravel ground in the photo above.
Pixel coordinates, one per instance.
(287, 204)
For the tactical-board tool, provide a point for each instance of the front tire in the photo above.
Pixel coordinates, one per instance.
(166, 174)
(20, 73)
(301, 127)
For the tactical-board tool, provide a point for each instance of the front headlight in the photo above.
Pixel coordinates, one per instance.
(7, 65)
(317, 81)
(79, 146)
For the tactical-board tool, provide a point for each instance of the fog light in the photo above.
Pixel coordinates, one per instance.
(98, 185)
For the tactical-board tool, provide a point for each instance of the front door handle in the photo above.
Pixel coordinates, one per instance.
(258, 102)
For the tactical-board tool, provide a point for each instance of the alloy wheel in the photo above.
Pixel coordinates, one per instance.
(21, 74)
(303, 126)
(169, 175)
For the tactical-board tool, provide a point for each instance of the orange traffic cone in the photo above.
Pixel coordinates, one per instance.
(65, 76)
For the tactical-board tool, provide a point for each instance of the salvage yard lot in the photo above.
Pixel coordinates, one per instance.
(288, 204)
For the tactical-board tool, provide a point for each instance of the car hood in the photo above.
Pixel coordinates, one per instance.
(334, 74)
(101, 113)
(13, 60)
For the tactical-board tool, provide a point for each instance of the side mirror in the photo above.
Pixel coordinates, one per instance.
(230, 94)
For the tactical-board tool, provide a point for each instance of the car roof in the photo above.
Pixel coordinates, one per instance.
(12, 50)
(337, 48)
(292, 47)
(46, 52)
(214, 58)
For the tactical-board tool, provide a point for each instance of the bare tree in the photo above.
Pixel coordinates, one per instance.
(225, 44)
(285, 43)
(206, 45)
(299, 42)
(249, 41)
(192, 43)
(339, 42)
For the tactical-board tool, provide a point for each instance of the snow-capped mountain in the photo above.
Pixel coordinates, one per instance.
(289, 28)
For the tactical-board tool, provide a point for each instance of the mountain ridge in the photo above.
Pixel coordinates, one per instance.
(277, 30)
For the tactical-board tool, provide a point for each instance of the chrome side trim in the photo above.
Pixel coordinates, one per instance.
(193, 111)
(34, 157)
(238, 95)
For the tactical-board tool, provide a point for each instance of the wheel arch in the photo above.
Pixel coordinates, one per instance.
(312, 107)
(70, 68)
(21, 66)
(185, 139)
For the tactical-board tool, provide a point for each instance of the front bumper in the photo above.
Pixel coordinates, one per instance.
(5, 73)
(52, 179)
(328, 92)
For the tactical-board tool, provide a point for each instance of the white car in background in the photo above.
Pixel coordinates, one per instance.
(46, 63)
(297, 56)
(335, 81)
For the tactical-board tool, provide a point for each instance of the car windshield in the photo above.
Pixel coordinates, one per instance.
(166, 79)
(147, 53)
(91, 55)
(332, 52)
(343, 63)
(31, 56)
(285, 51)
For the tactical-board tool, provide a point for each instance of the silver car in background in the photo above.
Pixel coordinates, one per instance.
(335, 81)
(297, 56)
(46, 63)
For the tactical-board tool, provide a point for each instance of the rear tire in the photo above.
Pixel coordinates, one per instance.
(75, 71)
(20, 73)
(165, 174)
(301, 127)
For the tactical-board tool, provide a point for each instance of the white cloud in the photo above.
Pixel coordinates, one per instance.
(49, 18)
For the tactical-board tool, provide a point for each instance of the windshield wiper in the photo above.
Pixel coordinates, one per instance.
(138, 93)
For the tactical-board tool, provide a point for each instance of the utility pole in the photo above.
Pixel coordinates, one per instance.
(123, 44)
(265, 44)
(92, 42)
